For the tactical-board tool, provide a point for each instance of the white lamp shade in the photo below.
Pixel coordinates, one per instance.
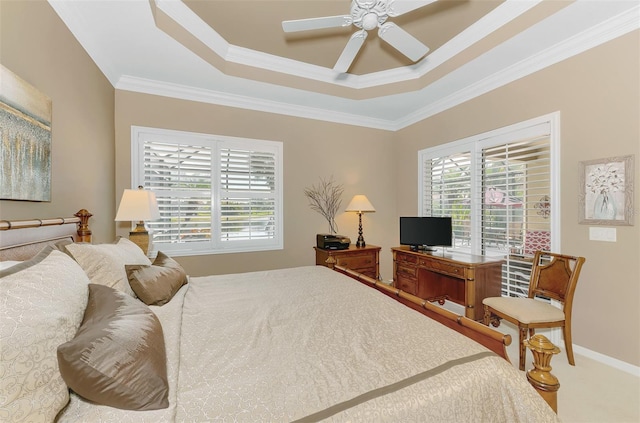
(137, 205)
(361, 204)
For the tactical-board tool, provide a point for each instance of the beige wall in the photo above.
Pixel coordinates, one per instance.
(38, 47)
(358, 158)
(598, 96)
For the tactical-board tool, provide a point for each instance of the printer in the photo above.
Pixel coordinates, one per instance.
(332, 242)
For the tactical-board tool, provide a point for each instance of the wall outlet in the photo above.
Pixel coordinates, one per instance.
(602, 234)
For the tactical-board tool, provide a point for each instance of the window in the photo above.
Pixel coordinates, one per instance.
(215, 194)
(498, 189)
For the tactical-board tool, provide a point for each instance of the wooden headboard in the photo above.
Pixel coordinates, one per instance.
(22, 239)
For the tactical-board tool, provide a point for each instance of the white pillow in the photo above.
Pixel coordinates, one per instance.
(104, 263)
(42, 303)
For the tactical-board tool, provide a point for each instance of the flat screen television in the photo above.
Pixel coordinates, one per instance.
(424, 233)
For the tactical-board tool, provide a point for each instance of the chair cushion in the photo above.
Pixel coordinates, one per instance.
(525, 310)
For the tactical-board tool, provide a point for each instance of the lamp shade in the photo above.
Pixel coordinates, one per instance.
(360, 203)
(137, 205)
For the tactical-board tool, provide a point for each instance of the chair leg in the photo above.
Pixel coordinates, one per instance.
(523, 350)
(568, 344)
(487, 316)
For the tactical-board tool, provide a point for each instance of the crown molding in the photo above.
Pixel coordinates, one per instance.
(164, 89)
(590, 38)
(428, 101)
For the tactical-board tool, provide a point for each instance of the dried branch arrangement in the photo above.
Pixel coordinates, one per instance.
(326, 198)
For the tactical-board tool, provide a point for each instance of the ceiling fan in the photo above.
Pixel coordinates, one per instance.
(368, 15)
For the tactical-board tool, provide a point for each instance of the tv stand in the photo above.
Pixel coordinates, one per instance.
(464, 279)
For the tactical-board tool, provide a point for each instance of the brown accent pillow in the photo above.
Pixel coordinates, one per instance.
(118, 356)
(158, 283)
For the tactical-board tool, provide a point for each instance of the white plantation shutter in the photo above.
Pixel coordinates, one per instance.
(214, 193)
(515, 182)
(499, 190)
(180, 176)
(447, 192)
(247, 194)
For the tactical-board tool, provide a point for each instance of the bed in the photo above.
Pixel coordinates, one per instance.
(300, 344)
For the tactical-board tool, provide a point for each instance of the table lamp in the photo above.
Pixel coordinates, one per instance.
(138, 205)
(360, 204)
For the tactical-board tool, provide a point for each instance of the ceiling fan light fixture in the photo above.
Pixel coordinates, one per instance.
(370, 21)
(368, 15)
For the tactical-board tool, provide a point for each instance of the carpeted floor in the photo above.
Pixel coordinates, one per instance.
(589, 391)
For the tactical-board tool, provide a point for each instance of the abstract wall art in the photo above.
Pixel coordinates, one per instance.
(25, 140)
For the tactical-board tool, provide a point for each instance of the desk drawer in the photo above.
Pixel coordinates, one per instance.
(409, 285)
(357, 262)
(447, 268)
(407, 271)
(406, 258)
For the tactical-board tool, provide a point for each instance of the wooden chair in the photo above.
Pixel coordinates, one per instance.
(553, 276)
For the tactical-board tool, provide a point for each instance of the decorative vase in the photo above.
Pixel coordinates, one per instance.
(604, 207)
(333, 227)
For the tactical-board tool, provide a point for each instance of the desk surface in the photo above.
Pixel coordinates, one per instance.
(453, 256)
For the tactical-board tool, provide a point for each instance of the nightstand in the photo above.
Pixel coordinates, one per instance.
(365, 260)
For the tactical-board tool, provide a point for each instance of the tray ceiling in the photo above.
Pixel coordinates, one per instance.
(235, 52)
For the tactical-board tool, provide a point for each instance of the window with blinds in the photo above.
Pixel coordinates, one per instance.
(215, 194)
(498, 189)
(247, 195)
(447, 185)
(515, 220)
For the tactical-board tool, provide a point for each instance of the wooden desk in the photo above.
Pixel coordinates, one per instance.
(464, 279)
(365, 260)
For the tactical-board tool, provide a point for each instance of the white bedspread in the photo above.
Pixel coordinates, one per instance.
(309, 343)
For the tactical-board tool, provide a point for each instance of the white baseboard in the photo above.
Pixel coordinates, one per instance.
(609, 361)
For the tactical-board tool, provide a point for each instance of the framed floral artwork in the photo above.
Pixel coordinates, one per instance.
(606, 191)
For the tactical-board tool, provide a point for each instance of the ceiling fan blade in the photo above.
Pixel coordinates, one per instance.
(350, 51)
(316, 23)
(400, 7)
(402, 41)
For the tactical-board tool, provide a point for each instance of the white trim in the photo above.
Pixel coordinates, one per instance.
(577, 349)
(588, 39)
(556, 177)
(546, 126)
(183, 92)
(81, 28)
(592, 37)
(216, 142)
(192, 23)
(607, 360)
(427, 102)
